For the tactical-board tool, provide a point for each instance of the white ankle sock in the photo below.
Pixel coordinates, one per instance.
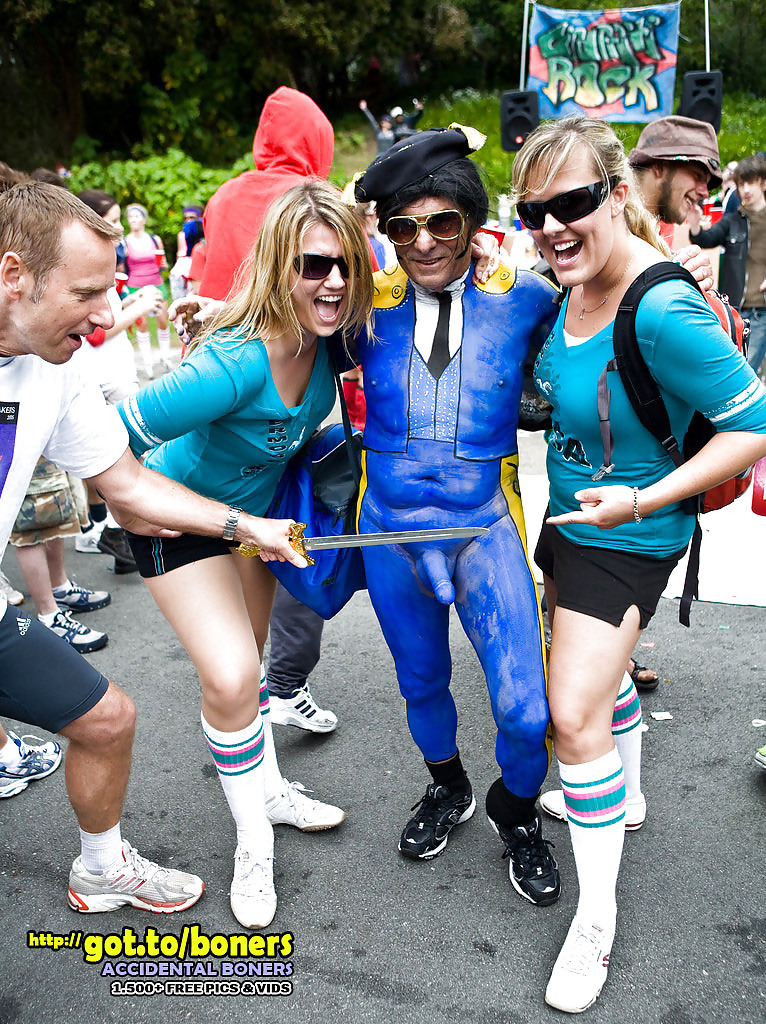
(10, 755)
(101, 850)
(239, 758)
(47, 619)
(64, 589)
(627, 734)
(594, 793)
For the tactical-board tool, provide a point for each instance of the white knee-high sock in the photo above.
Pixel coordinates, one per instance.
(144, 342)
(627, 735)
(163, 340)
(238, 756)
(273, 782)
(594, 793)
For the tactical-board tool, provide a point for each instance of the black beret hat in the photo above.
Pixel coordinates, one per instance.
(414, 158)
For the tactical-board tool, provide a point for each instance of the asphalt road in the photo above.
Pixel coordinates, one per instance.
(378, 939)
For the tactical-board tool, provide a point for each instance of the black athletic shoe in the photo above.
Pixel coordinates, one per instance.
(113, 541)
(532, 869)
(425, 835)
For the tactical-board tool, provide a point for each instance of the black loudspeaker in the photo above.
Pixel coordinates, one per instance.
(519, 115)
(702, 97)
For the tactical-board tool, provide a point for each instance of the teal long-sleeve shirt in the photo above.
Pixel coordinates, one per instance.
(218, 425)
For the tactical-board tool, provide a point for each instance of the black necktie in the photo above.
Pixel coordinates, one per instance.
(439, 358)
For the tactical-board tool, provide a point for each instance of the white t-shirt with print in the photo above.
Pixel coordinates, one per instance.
(48, 409)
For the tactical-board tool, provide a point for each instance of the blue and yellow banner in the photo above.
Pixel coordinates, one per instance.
(619, 65)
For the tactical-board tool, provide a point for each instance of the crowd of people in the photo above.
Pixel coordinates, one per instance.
(182, 471)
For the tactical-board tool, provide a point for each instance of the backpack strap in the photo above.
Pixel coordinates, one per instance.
(644, 395)
(640, 387)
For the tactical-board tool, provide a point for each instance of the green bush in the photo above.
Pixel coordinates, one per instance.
(164, 184)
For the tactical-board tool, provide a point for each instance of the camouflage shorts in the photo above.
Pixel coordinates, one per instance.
(55, 505)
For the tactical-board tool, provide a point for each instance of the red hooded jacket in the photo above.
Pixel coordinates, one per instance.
(293, 141)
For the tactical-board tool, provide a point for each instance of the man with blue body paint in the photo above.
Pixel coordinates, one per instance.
(443, 381)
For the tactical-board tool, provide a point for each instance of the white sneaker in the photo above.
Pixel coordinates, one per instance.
(291, 807)
(580, 969)
(253, 899)
(301, 710)
(8, 789)
(76, 635)
(134, 881)
(635, 808)
(87, 543)
(9, 592)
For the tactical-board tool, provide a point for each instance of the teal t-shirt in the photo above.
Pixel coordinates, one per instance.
(218, 425)
(696, 367)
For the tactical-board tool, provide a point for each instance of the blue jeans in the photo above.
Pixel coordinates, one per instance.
(757, 343)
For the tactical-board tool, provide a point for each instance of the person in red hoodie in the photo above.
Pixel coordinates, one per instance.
(293, 141)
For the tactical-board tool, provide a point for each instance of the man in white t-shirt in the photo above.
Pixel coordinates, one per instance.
(57, 262)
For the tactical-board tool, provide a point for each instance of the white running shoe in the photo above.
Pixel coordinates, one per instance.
(135, 881)
(76, 635)
(635, 808)
(37, 761)
(291, 807)
(253, 899)
(87, 543)
(580, 969)
(302, 711)
(8, 789)
(9, 592)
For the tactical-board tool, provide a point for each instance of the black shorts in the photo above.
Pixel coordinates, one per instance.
(43, 681)
(157, 555)
(602, 582)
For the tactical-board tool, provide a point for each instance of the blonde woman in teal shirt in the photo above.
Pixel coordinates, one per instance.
(606, 551)
(250, 392)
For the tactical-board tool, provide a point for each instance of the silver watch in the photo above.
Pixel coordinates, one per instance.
(230, 526)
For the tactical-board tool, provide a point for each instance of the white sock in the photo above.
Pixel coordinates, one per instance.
(239, 758)
(594, 793)
(64, 589)
(101, 850)
(163, 340)
(47, 619)
(627, 735)
(10, 755)
(144, 342)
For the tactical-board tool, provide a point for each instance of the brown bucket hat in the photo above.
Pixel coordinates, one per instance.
(678, 138)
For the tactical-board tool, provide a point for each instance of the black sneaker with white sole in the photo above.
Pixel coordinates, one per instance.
(425, 834)
(532, 869)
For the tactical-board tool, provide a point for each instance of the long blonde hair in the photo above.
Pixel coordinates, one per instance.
(263, 307)
(550, 146)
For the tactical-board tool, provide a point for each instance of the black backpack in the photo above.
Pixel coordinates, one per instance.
(644, 396)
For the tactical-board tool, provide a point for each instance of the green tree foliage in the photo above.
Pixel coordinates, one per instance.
(143, 76)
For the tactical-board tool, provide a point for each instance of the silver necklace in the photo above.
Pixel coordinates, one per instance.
(583, 310)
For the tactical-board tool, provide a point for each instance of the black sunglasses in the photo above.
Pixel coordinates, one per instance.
(566, 206)
(443, 226)
(316, 266)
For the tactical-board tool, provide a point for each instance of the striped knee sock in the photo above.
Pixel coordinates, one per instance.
(594, 794)
(273, 782)
(627, 734)
(163, 340)
(239, 757)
